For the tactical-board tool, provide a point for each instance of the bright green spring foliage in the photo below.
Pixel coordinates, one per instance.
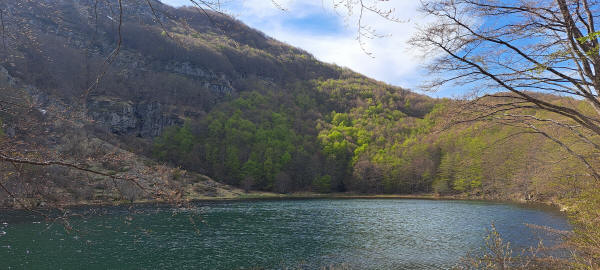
(460, 167)
(235, 147)
(245, 139)
(355, 134)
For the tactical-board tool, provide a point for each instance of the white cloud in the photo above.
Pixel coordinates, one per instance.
(392, 62)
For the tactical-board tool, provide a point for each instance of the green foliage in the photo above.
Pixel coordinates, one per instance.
(174, 145)
(243, 140)
(322, 184)
(371, 145)
(441, 186)
(264, 132)
(364, 136)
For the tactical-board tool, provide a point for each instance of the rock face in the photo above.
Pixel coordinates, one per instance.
(218, 84)
(152, 120)
(6, 80)
(144, 119)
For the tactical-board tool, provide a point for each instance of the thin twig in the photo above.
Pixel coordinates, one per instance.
(3, 29)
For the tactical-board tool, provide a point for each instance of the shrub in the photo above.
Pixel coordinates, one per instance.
(498, 254)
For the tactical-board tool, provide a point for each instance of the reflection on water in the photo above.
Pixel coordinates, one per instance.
(364, 234)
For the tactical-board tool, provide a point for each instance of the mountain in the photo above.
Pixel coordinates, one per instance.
(210, 98)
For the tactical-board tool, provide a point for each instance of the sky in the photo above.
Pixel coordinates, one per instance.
(330, 35)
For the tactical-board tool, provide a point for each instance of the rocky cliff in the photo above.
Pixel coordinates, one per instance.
(143, 119)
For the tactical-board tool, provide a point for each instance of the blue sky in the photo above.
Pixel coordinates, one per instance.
(330, 35)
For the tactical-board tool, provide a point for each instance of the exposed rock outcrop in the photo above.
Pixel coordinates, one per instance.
(144, 119)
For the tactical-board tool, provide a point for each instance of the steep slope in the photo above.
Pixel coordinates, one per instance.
(210, 95)
(159, 77)
(207, 70)
(51, 156)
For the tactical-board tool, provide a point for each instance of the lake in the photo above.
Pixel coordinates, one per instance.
(270, 234)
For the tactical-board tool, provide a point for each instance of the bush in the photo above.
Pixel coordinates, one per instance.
(498, 254)
(585, 215)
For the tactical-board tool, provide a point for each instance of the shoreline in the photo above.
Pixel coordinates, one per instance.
(420, 196)
(258, 196)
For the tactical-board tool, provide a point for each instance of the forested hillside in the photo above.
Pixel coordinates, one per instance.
(206, 93)
(136, 101)
(308, 140)
(178, 86)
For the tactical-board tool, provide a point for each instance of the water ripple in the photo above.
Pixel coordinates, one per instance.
(363, 234)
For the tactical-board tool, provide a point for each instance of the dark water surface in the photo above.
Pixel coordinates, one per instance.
(361, 233)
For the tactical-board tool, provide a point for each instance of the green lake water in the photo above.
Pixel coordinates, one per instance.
(270, 234)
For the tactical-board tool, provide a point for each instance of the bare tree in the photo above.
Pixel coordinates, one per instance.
(531, 65)
(26, 160)
(517, 57)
